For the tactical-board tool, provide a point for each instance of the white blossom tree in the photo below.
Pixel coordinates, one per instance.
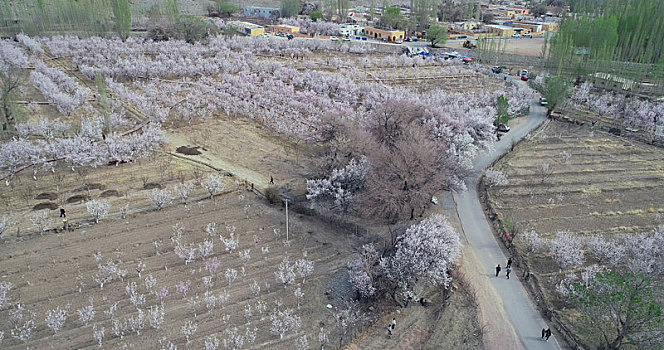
(98, 334)
(98, 209)
(184, 191)
(87, 313)
(285, 272)
(283, 322)
(213, 185)
(566, 249)
(189, 330)
(55, 318)
(4, 225)
(304, 268)
(161, 198)
(427, 251)
(5, 287)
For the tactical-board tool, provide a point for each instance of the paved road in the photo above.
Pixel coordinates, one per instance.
(519, 309)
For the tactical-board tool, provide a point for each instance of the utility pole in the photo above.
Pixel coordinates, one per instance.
(286, 200)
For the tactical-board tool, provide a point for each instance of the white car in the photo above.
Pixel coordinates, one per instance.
(527, 35)
(516, 35)
(334, 38)
(543, 101)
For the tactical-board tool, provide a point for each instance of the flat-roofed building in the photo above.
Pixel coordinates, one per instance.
(350, 29)
(503, 30)
(284, 28)
(262, 12)
(247, 28)
(383, 34)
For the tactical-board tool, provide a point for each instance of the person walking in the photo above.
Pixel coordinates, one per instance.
(389, 331)
(543, 333)
(497, 270)
(509, 263)
(394, 323)
(62, 213)
(548, 334)
(271, 180)
(508, 270)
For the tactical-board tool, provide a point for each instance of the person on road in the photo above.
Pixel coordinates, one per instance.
(543, 333)
(548, 334)
(389, 331)
(394, 322)
(509, 263)
(497, 270)
(509, 270)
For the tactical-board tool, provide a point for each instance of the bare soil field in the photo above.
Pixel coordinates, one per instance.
(58, 270)
(597, 183)
(521, 46)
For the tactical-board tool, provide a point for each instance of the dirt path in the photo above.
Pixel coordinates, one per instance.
(225, 143)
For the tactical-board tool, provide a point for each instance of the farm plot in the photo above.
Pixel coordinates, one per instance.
(572, 179)
(172, 278)
(592, 184)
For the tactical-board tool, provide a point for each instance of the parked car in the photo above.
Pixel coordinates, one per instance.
(503, 128)
(516, 35)
(543, 101)
(280, 34)
(524, 77)
(334, 38)
(399, 42)
(290, 36)
(498, 69)
(346, 39)
(263, 35)
(364, 38)
(462, 36)
(523, 72)
(527, 35)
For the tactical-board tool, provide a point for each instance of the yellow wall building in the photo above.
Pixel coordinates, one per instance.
(247, 28)
(382, 34)
(504, 31)
(284, 28)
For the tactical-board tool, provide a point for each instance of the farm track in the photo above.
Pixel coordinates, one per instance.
(498, 297)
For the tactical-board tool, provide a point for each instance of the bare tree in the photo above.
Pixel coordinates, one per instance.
(403, 177)
(10, 81)
(544, 172)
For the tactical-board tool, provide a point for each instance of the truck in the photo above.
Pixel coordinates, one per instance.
(469, 45)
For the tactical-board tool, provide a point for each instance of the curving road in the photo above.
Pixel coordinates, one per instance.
(513, 305)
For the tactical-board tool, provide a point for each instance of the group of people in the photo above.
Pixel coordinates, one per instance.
(508, 270)
(390, 327)
(546, 332)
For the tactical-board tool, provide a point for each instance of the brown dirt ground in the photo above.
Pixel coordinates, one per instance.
(523, 46)
(45, 271)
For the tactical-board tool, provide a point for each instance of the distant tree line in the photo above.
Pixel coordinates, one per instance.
(613, 30)
(102, 18)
